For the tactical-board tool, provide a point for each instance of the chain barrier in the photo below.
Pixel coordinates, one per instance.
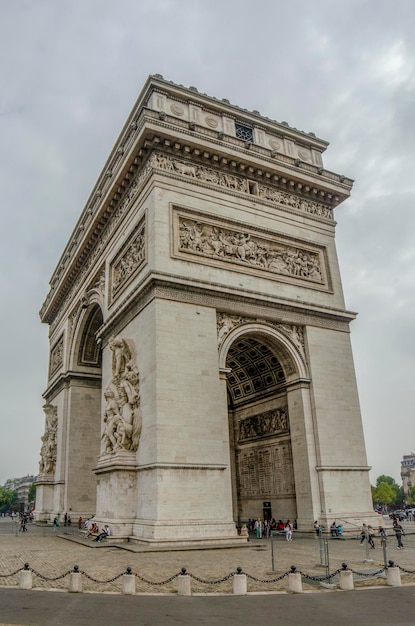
(267, 580)
(96, 580)
(12, 574)
(368, 574)
(39, 575)
(406, 571)
(211, 582)
(153, 582)
(319, 579)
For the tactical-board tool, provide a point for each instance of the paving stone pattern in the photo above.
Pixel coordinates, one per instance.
(54, 554)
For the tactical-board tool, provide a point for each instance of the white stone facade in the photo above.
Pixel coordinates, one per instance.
(200, 352)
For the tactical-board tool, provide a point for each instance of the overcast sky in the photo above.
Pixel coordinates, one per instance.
(70, 73)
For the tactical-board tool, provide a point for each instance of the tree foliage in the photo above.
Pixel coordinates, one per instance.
(7, 497)
(31, 496)
(387, 491)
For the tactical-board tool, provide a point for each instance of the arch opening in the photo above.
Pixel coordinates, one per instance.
(259, 427)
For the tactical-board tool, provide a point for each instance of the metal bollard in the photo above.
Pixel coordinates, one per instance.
(240, 587)
(183, 585)
(346, 578)
(128, 583)
(75, 580)
(295, 584)
(393, 575)
(25, 581)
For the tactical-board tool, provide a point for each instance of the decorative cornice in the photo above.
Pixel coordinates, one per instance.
(345, 468)
(164, 286)
(64, 379)
(131, 150)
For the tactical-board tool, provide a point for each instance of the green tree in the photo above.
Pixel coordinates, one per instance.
(387, 491)
(385, 479)
(384, 494)
(31, 496)
(7, 497)
(410, 498)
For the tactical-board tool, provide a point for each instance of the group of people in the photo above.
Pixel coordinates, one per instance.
(263, 528)
(91, 530)
(368, 534)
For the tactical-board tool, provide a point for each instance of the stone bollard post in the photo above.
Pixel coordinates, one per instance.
(75, 580)
(393, 575)
(239, 583)
(25, 581)
(346, 578)
(295, 584)
(183, 584)
(128, 583)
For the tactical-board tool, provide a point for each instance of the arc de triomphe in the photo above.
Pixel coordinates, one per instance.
(201, 371)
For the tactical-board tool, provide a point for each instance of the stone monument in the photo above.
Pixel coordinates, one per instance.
(201, 371)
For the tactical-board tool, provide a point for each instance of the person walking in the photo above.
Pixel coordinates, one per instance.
(289, 530)
(371, 536)
(383, 537)
(363, 534)
(399, 531)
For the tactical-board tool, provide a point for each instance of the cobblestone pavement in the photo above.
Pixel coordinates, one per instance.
(53, 555)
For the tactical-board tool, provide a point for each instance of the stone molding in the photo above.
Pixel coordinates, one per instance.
(160, 286)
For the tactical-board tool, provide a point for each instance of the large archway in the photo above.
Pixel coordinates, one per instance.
(262, 365)
(83, 423)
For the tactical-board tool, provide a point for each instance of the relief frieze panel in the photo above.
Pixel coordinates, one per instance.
(277, 256)
(56, 357)
(274, 422)
(128, 262)
(242, 184)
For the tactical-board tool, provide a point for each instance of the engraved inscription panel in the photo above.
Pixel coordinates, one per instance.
(266, 470)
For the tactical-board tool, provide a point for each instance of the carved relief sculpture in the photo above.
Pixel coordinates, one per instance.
(225, 323)
(239, 183)
(268, 423)
(56, 357)
(129, 261)
(122, 415)
(48, 449)
(276, 256)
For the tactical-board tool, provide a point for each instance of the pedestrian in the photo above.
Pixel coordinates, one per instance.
(399, 531)
(80, 523)
(371, 536)
(258, 528)
(317, 528)
(382, 534)
(56, 523)
(289, 530)
(363, 534)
